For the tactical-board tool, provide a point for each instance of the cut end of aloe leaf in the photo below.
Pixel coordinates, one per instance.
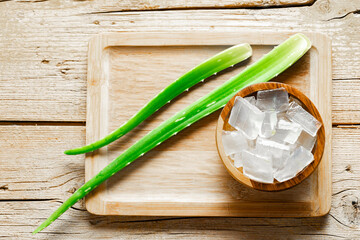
(306, 40)
(298, 43)
(246, 49)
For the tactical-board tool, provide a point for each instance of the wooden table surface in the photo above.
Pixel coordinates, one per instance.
(43, 53)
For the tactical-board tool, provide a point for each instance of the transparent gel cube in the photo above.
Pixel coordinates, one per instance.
(273, 100)
(293, 99)
(286, 131)
(251, 144)
(276, 151)
(306, 140)
(282, 115)
(269, 124)
(299, 115)
(251, 100)
(299, 159)
(257, 168)
(246, 117)
(238, 163)
(233, 142)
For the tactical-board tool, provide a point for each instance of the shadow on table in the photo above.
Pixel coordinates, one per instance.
(193, 227)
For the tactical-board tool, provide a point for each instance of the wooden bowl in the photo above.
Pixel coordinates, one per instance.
(237, 173)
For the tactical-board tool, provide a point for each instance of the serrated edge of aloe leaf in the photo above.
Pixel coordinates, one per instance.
(211, 66)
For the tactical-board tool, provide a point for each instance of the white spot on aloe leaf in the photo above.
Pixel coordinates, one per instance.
(211, 104)
(179, 119)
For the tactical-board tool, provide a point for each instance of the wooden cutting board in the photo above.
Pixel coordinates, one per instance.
(184, 176)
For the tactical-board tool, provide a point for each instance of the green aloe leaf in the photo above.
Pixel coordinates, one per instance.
(217, 63)
(269, 66)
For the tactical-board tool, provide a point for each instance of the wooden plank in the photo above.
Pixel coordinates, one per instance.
(148, 5)
(18, 219)
(33, 164)
(44, 63)
(35, 169)
(195, 4)
(346, 101)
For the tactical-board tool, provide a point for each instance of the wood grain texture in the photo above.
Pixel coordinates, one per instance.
(78, 224)
(19, 218)
(194, 4)
(43, 64)
(149, 5)
(318, 151)
(43, 78)
(32, 162)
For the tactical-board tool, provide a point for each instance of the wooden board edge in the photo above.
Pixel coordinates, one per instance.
(216, 209)
(322, 44)
(96, 80)
(157, 38)
(106, 40)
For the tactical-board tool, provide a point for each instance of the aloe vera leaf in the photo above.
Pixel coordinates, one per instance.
(269, 66)
(217, 63)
